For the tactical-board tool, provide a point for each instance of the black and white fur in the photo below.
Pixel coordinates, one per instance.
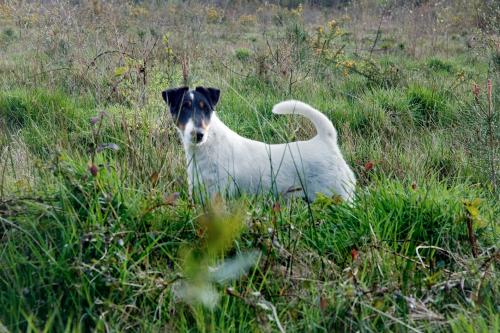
(221, 161)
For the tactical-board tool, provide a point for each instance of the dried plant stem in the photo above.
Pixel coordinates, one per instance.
(491, 139)
(472, 236)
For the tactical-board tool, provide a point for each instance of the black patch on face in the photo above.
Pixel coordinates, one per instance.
(198, 108)
(211, 94)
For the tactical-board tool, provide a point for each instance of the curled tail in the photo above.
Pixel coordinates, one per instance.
(323, 125)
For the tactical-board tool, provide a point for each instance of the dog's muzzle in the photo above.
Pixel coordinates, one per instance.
(199, 137)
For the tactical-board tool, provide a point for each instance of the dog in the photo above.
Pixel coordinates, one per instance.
(221, 161)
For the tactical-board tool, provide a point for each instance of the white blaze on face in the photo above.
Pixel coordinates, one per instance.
(187, 134)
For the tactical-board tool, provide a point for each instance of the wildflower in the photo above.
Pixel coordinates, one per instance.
(94, 120)
(349, 64)
(354, 254)
(93, 170)
(247, 19)
(368, 166)
(298, 11)
(212, 15)
(475, 90)
(332, 24)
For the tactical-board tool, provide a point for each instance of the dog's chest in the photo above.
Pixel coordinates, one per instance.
(211, 166)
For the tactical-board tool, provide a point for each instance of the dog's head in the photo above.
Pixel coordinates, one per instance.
(192, 110)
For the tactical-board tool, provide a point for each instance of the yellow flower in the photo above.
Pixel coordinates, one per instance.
(213, 15)
(298, 11)
(349, 63)
(332, 24)
(247, 19)
(5, 11)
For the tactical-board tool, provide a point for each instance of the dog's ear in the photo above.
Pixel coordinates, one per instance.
(173, 97)
(211, 94)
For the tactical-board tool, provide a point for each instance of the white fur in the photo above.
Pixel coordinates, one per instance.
(225, 161)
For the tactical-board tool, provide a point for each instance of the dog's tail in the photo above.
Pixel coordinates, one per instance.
(323, 125)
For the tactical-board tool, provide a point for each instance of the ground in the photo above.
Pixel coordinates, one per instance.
(97, 231)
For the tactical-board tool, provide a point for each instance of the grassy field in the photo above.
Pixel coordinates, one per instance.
(97, 232)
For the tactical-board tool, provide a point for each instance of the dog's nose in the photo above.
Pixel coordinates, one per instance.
(199, 137)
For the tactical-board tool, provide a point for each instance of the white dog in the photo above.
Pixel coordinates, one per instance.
(221, 161)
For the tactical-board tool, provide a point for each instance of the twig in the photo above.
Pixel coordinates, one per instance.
(92, 63)
(378, 29)
(385, 314)
(435, 248)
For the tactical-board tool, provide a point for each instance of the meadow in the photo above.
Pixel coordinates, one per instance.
(97, 230)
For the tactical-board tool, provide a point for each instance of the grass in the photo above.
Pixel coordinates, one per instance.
(97, 232)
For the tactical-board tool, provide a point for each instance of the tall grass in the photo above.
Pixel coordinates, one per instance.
(98, 233)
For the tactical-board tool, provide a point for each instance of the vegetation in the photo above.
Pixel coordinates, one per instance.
(97, 232)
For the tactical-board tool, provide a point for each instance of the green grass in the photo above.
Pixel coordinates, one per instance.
(97, 232)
